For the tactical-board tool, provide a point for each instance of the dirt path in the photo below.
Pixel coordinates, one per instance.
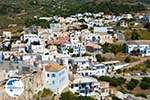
(137, 62)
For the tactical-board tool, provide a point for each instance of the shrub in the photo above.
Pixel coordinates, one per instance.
(71, 96)
(141, 95)
(46, 93)
(115, 98)
(100, 58)
(132, 84)
(144, 85)
(114, 48)
(118, 71)
(147, 63)
(127, 59)
(113, 80)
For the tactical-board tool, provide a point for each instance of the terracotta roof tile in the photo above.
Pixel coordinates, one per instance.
(53, 67)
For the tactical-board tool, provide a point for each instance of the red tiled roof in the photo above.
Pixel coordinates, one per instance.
(59, 40)
(53, 67)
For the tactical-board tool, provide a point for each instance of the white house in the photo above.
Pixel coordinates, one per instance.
(95, 70)
(73, 48)
(38, 48)
(11, 73)
(81, 62)
(7, 34)
(127, 16)
(62, 59)
(86, 86)
(75, 37)
(146, 52)
(124, 24)
(142, 45)
(100, 29)
(113, 65)
(18, 47)
(101, 38)
(7, 54)
(55, 77)
(30, 37)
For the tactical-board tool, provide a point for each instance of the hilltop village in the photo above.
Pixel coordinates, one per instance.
(89, 56)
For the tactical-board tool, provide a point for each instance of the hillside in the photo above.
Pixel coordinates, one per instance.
(144, 1)
(16, 11)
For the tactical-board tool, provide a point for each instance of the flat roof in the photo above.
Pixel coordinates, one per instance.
(110, 62)
(138, 42)
(80, 58)
(84, 80)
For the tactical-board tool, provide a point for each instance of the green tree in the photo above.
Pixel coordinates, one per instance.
(83, 26)
(144, 85)
(74, 68)
(100, 58)
(132, 84)
(71, 96)
(115, 98)
(147, 25)
(135, 35)
(127, 59)
(141, 95)
(26, 41)
(70, 50)
(112, 80)
(147, 63)
(118, 71)
(68, 96)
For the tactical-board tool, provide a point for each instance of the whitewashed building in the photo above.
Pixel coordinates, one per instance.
(86, 86)
(55, 77)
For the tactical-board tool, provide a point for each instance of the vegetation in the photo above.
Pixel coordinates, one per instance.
(71, 96)
(145, 1)
(46, 93)
(74, 68)
(138, 35)
(112, 80)
(114, 48)
(100, 58)
(118, 71)
(42, 23)
(135, 35)
(87, 54)
(20, 10)
(132, 84)
(141, 95)
(147, 25)
(147, 63)
(70, 50)
(115, 98)
(127, 59)
(145, 83)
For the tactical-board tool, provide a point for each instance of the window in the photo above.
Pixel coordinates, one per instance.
(47, 75)
(83, 62)
(53, 82)
(102, 71)
(53, 75)
(71, 85)
(76, 85)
